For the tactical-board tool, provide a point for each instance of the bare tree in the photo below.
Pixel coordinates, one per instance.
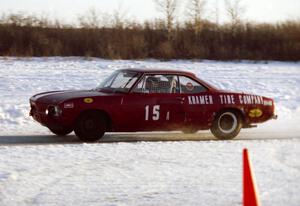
(90, 19)
(23, 19)
(119, 17)
(234, 10)
(195, 10)
(16, 19)
(168, 8)
(42, 20)
(217, 12)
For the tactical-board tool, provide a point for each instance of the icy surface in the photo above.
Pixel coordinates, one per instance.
(37, 168)
(148, 173)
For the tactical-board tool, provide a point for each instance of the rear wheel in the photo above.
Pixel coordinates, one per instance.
(90, 126)
(227, 125)
(60, 131)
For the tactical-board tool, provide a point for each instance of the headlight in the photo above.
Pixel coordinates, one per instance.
(53, 111)
(57, 111)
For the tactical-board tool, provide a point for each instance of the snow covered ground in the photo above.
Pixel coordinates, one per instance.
(37, 168)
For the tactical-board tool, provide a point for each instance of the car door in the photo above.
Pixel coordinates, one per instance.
(133, 111)
(154, 104)
(198, 104)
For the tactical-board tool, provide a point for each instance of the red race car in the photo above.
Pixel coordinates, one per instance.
(134, 100)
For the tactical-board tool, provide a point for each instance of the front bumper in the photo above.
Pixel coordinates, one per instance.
(48, 120)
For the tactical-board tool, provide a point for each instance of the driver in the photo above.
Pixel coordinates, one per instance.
(173, 88)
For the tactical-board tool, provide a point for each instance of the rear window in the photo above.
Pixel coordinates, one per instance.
(190, 86)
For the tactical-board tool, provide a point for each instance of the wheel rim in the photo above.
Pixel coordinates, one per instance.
(227, 122)
(90, 126)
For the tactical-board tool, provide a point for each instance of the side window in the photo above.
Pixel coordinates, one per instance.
(158, 84)
(124, 80)
(190, 86)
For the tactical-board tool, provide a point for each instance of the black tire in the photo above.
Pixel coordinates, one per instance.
(60, 131)
(90, 126)
(227, 125)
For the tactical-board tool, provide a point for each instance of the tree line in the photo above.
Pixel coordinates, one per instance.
(114, 37)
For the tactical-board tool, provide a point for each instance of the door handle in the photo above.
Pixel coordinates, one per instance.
(180, 98)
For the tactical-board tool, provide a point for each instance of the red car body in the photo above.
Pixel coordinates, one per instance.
(131, 110)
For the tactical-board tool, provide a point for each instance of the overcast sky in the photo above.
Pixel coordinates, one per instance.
(69, 10)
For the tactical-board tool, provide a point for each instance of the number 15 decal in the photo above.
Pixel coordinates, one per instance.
(155, 112)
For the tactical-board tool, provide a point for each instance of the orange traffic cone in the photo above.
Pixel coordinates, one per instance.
(250, 192)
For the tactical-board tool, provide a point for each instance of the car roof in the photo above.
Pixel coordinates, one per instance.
(160, 71)
(169, 71)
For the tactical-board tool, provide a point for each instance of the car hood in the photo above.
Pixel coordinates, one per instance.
(56, 97)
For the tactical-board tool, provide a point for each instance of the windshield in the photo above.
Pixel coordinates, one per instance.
(119, 81)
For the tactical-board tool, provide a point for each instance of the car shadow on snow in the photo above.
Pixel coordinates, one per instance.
(15, 140)
(107, 138)
(36, 139)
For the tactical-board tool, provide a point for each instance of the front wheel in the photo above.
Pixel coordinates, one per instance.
(227, 125)
(90, 126)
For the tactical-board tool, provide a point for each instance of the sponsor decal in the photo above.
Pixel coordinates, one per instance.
(69, 105)
(227, 99)
(268, 103)
(168, 116)
(251, 99)
(255, 113)
(201, 99)
(242, 99)
(232, 99)
(88, 100)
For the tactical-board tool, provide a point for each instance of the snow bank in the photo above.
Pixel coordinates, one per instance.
(21, 78)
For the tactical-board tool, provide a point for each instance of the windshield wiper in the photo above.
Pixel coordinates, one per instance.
(119, 91)
(105, 90)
